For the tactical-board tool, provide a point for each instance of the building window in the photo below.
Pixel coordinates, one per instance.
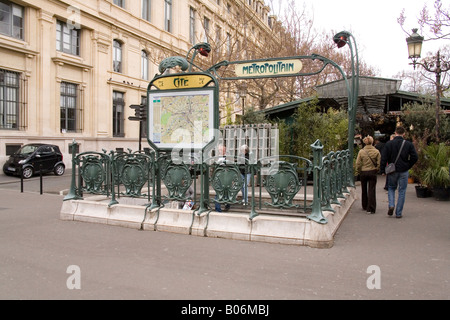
(68, 105)
(9, 99)
(192, 25)
(144, 64)
(67, 38)
(238, 50)
(206, 27)
(118, 110)
(11, 19)
(120, 3)
(146, 9)
(117, 56)
(218, 39)
(168, 15)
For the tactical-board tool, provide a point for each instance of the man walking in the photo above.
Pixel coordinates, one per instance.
(404, 155)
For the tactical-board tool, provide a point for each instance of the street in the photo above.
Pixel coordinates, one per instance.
(374, 256)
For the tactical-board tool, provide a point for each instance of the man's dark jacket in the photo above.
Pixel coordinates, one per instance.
(407, 158)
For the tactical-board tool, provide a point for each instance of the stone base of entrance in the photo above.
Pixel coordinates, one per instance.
(272, 228)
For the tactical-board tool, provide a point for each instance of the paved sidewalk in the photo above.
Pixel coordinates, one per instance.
(412, 256)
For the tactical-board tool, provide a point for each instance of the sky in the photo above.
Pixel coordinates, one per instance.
(380, 40)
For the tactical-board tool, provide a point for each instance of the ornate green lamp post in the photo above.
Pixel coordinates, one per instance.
(341, 39)
(203, 48)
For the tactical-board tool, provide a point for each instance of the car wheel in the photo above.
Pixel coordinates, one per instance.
(59, 170)
(27, 172)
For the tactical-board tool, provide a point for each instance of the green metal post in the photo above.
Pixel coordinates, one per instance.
(316, 214)
(154, 203)
(253, 212)
(71, 195)
(112, 174)
(342, 38)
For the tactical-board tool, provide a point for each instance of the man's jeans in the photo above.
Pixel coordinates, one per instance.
(400, 180)
(246, 178)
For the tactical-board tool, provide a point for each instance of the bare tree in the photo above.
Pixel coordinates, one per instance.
(434, 26)
(240, 34)
(301, 39)
(414, 81)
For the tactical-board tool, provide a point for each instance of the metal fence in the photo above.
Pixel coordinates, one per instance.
(279, 184)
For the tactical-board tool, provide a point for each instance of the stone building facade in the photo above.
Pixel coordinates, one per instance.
(71, 69)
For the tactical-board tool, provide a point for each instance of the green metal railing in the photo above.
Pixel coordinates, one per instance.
(279, 184)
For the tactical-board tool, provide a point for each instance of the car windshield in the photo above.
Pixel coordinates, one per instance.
(27, 149)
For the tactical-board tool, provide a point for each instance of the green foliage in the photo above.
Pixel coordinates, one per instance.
(333, 131)
(418, 170)
(309, 125)
(284, 140)
(437, 172)
(228, 112)
(253, 117)
(422, 117)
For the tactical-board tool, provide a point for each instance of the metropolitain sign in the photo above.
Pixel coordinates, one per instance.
(268, 68)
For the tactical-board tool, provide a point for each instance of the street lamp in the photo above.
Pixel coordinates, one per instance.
(203, 48)
(434, 65)
(341, 39)
(414, 43)
(242, 92)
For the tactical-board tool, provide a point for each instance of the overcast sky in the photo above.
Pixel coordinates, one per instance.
(380, 40)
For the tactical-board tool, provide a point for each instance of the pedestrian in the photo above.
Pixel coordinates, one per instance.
(379, 145)
(367, 166)
(386, 180)
(245, 174)
(403, 154)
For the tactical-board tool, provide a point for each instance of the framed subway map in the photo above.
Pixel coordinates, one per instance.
(181, 119)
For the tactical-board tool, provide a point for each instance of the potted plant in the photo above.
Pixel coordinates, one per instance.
(412, 176)
(422, 191)
(437, 174)
(417, 171)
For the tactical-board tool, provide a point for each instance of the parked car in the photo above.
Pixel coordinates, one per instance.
(32, 158)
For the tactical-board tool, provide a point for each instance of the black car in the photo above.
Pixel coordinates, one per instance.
(34, 158)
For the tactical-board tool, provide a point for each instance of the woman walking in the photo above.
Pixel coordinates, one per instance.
(367, 166)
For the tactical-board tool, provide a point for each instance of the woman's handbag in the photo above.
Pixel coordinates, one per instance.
(390, 168)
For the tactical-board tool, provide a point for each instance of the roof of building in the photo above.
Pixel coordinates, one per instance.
(376, 95)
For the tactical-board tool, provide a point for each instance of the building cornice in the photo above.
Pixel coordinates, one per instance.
(63, 61)
(17, 46)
